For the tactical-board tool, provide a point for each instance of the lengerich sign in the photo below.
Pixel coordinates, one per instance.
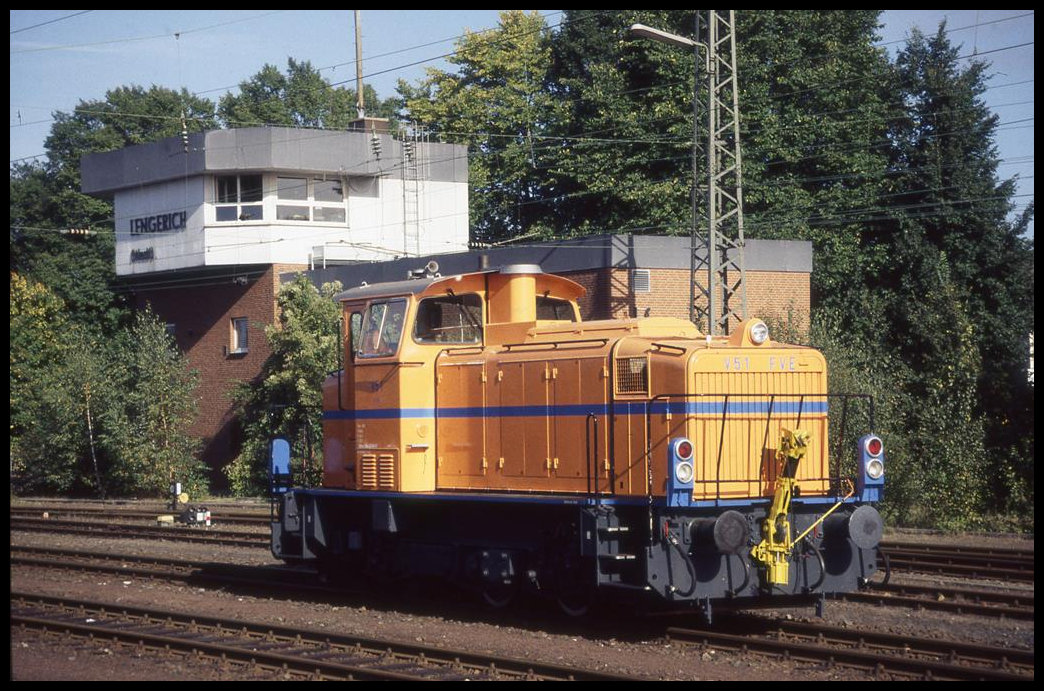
(159, 223)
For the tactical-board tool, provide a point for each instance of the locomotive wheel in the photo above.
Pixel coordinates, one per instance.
(499, 595)
(573, 574)
(576, 604)
(574, 590)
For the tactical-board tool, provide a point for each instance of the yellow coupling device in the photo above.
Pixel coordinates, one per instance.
(773, 552)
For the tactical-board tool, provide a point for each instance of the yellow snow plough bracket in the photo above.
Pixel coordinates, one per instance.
(773, 552)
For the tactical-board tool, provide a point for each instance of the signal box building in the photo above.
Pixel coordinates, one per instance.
(208, 229)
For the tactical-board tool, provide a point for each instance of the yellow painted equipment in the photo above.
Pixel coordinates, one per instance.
(773, 552)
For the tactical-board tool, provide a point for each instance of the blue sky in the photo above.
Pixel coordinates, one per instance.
(59, 57)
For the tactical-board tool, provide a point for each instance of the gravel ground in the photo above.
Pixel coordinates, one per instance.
(619, 642)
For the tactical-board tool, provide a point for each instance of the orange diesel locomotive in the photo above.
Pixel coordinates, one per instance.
(481, 432)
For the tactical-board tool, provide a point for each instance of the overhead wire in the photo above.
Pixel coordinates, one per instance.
(50, 21)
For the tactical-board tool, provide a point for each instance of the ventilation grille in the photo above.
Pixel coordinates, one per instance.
(377, 471)
(632, 375)
(641, 281)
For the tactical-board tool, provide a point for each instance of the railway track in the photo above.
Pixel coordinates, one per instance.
(150, 532)
(950, 560)
(982, 602)
(864, 650)
(282, 578)
(955, 560)
(878, 653)
(306, 653)
(287, 580)
(253, 518)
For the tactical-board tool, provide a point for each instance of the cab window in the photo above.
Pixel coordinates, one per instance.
(449, 319)
(355, 322)
(382, 328)
(554, 309)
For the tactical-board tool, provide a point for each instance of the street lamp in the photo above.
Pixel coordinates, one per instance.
(648, 32)
(643, 31)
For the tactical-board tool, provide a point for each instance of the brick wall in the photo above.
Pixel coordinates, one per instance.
(597, 292)
(202, 317)
(781, 298)
(774, 296)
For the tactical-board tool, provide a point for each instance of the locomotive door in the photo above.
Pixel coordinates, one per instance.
(376, 390)
(520, 403)
(580, 388)
(459, 421)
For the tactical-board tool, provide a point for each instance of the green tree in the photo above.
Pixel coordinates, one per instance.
(286, 398)
(91, 414)
(624, 163)
(146, 433)
(41, 437)
(78, 268)
(815, 111)
(498, 104)
(964, 306)
(299, 98)
(45, 198)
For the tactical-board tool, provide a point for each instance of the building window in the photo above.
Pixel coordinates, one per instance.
(239, 336)
(238, 198)
(310, 199)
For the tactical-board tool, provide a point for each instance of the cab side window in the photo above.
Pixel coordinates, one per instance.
(554, 309)
(355, 322)
(382, 328)
(449, 319)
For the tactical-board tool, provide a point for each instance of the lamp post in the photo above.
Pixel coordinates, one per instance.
(648, 32)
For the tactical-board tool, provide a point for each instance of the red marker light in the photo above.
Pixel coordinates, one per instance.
(684, 449)
(874, 446)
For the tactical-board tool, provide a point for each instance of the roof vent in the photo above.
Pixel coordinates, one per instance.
(521, 269)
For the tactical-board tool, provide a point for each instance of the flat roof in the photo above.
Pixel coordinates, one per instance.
(260, 149)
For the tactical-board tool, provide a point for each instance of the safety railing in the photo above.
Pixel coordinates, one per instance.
(845, 416)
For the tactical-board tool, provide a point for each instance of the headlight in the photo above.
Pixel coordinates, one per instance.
(758, 333)
(683, 471)
(875, 468)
